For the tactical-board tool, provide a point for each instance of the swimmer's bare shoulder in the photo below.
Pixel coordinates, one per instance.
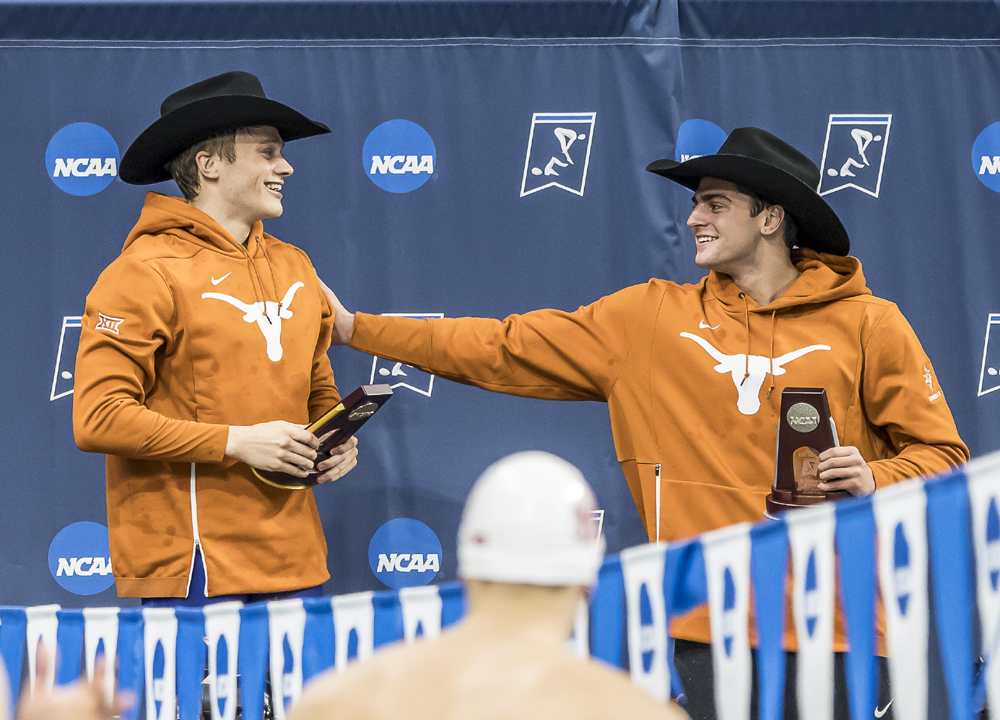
(360, 691)
(433, 680)
(606, 692)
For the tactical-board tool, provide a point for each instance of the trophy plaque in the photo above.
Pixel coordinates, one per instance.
(333, 430)
(805, 429)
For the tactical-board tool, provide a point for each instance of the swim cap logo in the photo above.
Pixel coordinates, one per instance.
(82, 159)
(986, 157)
(399, 156)
(404, 553)
(79, 558)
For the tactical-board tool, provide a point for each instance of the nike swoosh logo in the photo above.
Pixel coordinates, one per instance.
(702, 325)
(883, 711)
(216, 282)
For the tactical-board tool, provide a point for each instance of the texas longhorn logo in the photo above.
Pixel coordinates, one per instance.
(267, 314)
(748, 373)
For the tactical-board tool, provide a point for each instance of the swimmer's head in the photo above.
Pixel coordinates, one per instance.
(530, 519)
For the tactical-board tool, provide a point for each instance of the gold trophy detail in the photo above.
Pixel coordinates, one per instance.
(805, 429)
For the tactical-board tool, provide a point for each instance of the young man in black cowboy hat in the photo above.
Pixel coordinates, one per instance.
(693, 374)
(203, 355)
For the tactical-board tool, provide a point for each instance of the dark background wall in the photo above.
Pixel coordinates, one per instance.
(469, 241)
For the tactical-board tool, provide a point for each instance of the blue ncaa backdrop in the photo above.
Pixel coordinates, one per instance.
(487, 158)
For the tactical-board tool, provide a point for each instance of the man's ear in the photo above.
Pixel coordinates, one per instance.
(773, 217)
(208, 165)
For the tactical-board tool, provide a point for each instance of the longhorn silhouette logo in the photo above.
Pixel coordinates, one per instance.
(748, 385)
(267, 314)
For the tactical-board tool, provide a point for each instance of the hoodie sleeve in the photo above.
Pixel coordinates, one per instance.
(905, 404)
(549, 354)
(129, 320)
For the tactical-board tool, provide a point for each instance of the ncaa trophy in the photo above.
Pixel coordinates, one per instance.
(805, 429)
(337, 426)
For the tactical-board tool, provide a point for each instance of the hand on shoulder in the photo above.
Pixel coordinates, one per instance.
(343, 320)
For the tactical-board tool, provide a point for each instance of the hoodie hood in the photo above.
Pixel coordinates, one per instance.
(824, 278)
(172, 217)
(165, 215)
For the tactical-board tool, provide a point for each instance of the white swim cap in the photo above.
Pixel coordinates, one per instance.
(529, 519)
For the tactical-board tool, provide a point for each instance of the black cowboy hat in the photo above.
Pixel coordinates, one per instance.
(776, 171)
(217, 105)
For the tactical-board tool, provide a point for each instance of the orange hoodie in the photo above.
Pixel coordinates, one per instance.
(693, 375)
(174, 349)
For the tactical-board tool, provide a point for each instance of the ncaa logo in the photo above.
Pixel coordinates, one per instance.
(854, 153)
(79, 558)
(986, 157)
(82, 159)
(399, 156)
(558, 152)
(404, 553)
(697, 138)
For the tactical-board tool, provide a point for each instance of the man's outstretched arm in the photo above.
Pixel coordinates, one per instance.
(343, 319)
(547, 353)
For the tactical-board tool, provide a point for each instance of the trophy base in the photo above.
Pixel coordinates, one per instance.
(779, 501)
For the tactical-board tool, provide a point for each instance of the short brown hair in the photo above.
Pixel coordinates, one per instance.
(184, 168)
(759, 204)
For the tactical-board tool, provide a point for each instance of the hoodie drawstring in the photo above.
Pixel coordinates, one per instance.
(259, 285)
(770, 360)
(274, 287)
(746, 358)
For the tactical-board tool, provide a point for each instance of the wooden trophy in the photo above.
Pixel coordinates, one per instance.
(805, 429)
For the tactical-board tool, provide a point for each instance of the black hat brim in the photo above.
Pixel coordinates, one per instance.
(818, 226)
(145, 160)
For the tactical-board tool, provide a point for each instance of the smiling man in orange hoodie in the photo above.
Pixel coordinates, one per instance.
(203, 354)
(693, 374)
